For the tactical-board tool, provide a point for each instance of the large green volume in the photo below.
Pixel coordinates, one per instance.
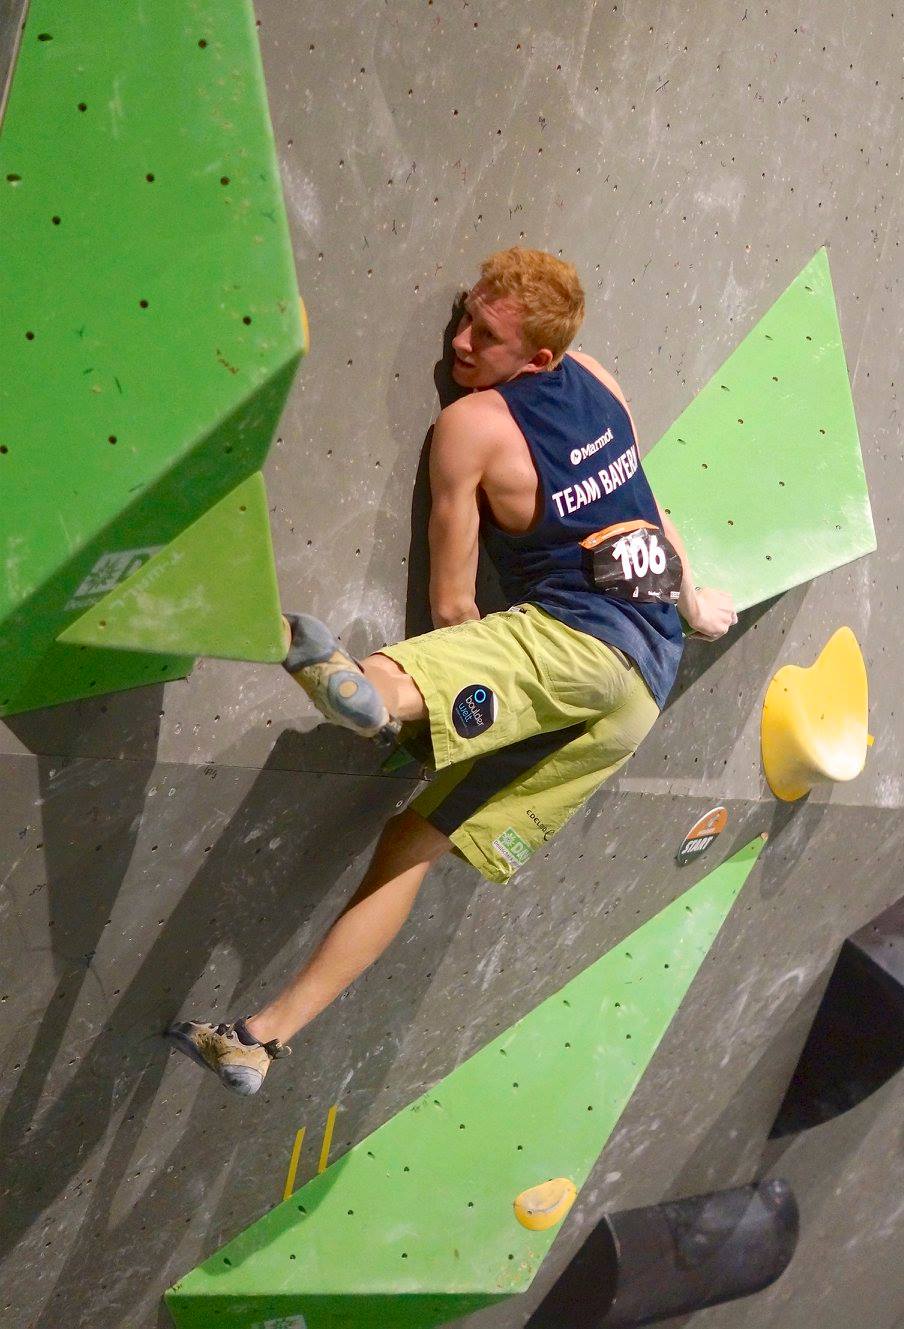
(415, 1226)
(150, 325)
(763, 472)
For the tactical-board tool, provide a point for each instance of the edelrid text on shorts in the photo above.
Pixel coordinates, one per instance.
(548, 831)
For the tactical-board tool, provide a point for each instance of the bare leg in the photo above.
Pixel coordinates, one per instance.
(407, 848)
(399, 691)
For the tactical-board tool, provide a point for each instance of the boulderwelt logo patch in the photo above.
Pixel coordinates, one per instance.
(474, 710)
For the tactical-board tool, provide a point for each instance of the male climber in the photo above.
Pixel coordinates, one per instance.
(529, 710)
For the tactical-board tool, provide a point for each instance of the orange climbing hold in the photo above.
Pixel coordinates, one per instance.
(814, 724)
(543, 1206)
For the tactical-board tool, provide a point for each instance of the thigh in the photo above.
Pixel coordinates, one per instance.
(585, 675)
(498, 680)
(501, 808)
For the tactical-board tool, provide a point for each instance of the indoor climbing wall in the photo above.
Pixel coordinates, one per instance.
(176, 849)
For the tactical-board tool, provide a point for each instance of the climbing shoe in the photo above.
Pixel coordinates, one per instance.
(334, 681)
(240, 1064)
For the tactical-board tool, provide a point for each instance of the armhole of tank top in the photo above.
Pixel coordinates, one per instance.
(535, 526)
(619, 403)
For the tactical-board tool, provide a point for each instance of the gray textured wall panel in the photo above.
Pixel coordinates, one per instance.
(173, 849)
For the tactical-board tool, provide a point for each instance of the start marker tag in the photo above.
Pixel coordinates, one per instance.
(701, 835)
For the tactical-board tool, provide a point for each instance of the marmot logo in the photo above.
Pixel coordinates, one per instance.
(581, 454)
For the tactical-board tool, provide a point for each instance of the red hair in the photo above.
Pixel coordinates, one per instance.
(548, 291)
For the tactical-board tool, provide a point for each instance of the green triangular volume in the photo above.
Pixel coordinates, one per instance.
(762, 473)
(425, 1202)
(211, 591)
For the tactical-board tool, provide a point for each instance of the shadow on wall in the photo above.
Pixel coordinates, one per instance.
(249, 906)
(400, 413)
(730, 1153)
(737, 688)
(96, 807)
(700, 655)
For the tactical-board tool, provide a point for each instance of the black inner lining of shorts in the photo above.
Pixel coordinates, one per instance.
(494, 771)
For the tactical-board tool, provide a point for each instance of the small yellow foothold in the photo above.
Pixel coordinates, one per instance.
(293, 1163)
(305, 327)
(327, 1137)
(870, 740)
(544, 1206)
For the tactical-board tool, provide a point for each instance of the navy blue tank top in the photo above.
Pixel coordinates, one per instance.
(585, 453)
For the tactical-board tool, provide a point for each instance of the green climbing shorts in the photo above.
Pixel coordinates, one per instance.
(528, 717)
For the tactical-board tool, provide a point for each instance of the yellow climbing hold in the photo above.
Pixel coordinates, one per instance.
(543, 1206)
(305, 327)
(814, 723)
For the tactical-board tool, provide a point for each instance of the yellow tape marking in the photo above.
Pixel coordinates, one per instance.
(293, 1164)
(327, 1137)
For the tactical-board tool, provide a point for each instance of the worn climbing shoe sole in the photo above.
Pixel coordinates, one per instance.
(217, 1047)
(335, 682)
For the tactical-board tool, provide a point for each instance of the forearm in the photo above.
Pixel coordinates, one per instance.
(453, 571)
(687, 599)
(452, 585)
(708, 612)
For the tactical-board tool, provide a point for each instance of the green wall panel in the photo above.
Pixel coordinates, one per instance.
(763, 472)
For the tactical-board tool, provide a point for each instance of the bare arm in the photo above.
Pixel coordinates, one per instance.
(687, 600)
(456, 468)
(708, 612)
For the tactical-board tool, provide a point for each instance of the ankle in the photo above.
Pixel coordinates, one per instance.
(260, 1028)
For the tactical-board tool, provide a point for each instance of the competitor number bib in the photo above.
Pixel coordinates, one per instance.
(633, 561)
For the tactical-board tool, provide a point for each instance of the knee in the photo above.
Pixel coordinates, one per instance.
(397, 688)
(412, 834)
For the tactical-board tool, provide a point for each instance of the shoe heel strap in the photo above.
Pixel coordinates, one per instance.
(274, 1049)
